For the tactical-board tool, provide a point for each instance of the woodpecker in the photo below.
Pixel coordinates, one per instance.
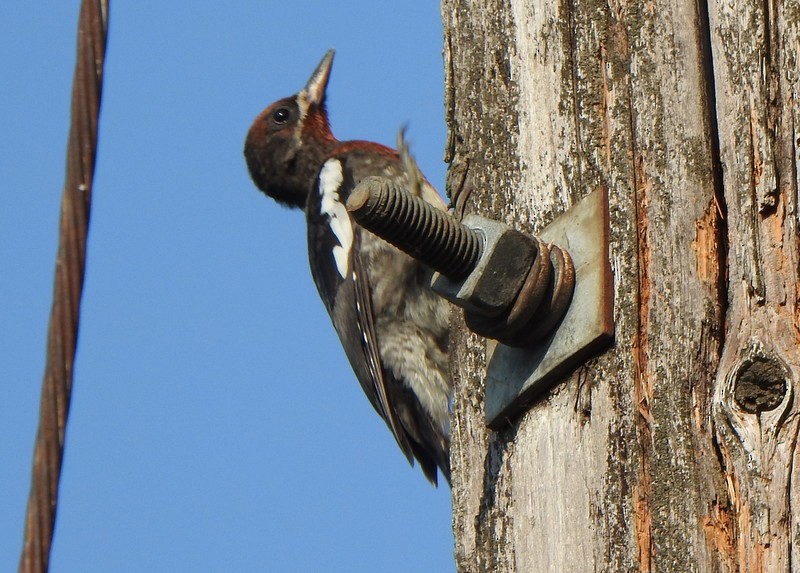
(393, 327)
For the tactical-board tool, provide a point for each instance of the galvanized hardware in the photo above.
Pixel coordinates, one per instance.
(513, 287)
(517, 376)
(547, 300)
(491, 290)
(414, 226)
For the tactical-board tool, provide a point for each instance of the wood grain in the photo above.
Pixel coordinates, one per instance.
(643, 460)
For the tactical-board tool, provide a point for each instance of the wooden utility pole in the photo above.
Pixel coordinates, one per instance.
(677, 449)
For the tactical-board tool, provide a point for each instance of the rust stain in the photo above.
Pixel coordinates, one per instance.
(719, 531)
(706, 246)
(730, 529)
(619, 31)
(750, 550)
(643, 387)
(643, 522)
(775, 223)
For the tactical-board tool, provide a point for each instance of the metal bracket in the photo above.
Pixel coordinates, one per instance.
(550, 296)
(516, 376)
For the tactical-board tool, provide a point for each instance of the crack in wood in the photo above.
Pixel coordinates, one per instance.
(643, 389)
(720, 225)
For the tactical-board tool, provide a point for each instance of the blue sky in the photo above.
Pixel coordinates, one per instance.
(215, 422)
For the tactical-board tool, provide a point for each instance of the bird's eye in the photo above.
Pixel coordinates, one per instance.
(280, 116)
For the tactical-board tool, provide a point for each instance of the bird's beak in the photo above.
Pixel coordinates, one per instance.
(315, 88)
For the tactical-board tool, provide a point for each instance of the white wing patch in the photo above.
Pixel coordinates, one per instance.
(330, 181)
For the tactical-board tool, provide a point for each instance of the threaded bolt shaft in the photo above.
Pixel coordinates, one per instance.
(414, 226)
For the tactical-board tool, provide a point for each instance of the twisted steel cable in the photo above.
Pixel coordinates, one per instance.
(69, 272)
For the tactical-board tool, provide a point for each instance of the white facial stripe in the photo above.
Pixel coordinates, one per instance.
(330, 180)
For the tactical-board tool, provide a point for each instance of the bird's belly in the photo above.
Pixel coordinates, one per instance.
(411, 324)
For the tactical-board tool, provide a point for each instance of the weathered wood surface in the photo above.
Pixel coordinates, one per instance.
(756, 69)
(676, 450)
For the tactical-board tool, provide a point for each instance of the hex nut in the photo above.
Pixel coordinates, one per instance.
(492, 286)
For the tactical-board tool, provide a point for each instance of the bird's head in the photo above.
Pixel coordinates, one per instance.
(289, 140)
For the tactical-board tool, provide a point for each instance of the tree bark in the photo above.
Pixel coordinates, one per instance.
(676, 450)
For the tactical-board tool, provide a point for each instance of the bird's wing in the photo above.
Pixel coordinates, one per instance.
(341, 277)
(366, 327)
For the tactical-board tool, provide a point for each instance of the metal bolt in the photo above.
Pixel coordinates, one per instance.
(513, 287)
(415, 226)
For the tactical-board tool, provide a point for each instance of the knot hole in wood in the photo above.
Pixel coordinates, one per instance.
(760, 383)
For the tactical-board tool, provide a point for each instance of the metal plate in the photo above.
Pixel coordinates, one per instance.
(516, 376)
